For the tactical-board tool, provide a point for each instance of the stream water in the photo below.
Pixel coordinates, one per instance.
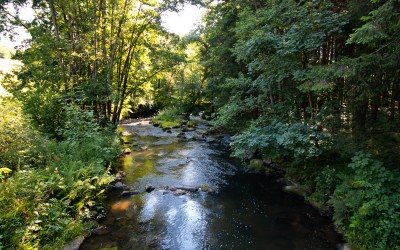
(246, 211)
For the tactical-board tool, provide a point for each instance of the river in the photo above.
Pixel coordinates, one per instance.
(243, 211)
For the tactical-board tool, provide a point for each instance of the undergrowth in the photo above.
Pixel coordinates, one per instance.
(53, 190)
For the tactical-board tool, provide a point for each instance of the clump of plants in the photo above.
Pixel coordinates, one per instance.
(169, 118)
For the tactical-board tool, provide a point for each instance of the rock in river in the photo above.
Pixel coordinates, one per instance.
(119, 185)
(127, 151)
(149, 188)
(101, 231)
(179, 192)
(128, 193)
(75, 244)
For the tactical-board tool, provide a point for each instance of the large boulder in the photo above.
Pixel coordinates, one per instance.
(118, 185)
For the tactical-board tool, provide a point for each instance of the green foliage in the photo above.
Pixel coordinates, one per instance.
(20, 145)
(366, 204)
(297, 142)
(169, 117)
(242, 103)
(276, 67)
(77, 124)
(325, 184)
(56, 187)
(379, 26)
(32, 214)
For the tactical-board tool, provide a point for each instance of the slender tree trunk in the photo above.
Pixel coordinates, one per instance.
(395, 90)
(102, 20)
(324, 49)
(58, 38)
(360, 115)
(94, 69)
(374, 107)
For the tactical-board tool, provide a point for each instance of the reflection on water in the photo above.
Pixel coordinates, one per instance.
(248, 211)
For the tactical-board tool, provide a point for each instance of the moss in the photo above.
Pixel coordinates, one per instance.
(256, 165)
(168, 124)
(317, 203)
(191, 124)
(204, 187)
(168, 118)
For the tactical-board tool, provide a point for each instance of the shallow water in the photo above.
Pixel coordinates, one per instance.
(246, 211)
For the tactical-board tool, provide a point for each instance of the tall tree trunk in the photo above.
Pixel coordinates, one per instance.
(359, 115)
(58, 38)
(374, 107)
(95, 69)
(393, 99)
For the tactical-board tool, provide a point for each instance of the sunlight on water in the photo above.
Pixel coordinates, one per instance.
(247, 211)
(149, 208)
(121, 205)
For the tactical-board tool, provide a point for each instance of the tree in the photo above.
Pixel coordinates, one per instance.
(93, 53)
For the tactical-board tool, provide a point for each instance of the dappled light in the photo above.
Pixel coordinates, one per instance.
(121, 206)
(235, 126)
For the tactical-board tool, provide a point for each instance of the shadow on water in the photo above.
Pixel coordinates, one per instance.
(247, 211)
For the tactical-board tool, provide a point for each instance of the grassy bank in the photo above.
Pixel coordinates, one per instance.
(52, 190)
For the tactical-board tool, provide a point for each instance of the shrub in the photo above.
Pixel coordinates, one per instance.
(295, 142)
(366, 204)
(325, 184)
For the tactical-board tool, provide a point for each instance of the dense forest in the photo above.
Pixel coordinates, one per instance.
(313, 86)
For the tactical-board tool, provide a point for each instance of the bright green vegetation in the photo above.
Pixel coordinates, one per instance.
(173, 117)
(169, 118)
(310, 85)
(56, 188)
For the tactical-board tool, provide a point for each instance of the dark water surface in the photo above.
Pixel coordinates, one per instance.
(247, 211)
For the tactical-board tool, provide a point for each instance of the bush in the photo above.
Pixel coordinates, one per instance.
(325, 184)
(45, 109)
(293, 142)
(366, 204)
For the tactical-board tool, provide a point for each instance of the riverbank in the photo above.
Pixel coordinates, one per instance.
(52, 190)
